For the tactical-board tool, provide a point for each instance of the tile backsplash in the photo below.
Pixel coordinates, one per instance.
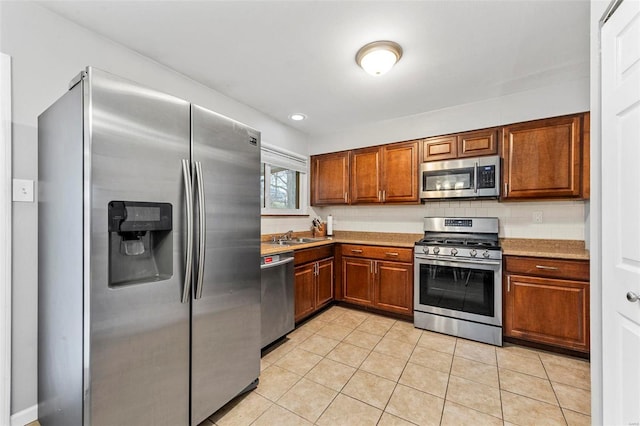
(561, 220)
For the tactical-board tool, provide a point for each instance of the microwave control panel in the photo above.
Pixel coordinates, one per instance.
(487, 177)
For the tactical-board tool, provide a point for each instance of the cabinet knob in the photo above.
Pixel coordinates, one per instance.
(632, 297)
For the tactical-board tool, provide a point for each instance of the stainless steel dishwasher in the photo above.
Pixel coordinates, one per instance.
(277, 296)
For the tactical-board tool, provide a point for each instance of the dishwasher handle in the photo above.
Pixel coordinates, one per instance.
(277, 263)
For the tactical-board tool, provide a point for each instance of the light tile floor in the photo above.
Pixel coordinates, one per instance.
(348, 367)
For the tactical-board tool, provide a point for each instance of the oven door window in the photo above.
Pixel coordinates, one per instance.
(460, 289)
(444, 180)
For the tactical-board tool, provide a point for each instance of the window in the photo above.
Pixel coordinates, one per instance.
(283, 182)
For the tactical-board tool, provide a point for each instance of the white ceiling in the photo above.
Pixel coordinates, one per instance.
(291, 56)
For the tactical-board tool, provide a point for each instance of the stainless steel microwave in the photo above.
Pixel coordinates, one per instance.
(462, 178)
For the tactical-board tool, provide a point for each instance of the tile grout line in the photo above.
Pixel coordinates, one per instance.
(387, 335)
(499, 387)
(446, 391)
(553, 389)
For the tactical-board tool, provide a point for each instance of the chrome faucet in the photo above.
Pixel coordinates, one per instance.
(288, 235)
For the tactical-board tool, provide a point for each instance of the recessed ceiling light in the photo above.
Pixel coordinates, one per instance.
(297, 116)
(379, 57)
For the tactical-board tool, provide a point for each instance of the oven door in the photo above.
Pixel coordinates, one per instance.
(469, 290)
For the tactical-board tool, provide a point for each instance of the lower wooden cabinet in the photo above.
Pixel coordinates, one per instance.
(357, 280)
(382, 284)
(314, 282)
(305, 299)
(394, 287)
(324, 282)
(547, 301)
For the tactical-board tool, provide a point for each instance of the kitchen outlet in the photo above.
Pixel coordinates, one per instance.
(538, 217)
(23, 190)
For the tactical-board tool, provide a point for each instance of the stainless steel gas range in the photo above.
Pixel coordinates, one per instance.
(458, 278)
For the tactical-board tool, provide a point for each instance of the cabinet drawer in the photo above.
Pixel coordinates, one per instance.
(312, 254)
(378, 252)
(566, 269)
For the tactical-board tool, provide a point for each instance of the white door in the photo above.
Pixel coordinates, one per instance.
(620, 42)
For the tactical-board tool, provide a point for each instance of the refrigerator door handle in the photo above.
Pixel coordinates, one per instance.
(188, 194)
(202, 228)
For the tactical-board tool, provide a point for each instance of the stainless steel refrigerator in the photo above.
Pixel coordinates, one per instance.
(149, 257)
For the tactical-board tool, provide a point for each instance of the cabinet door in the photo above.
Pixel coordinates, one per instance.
(330, 178)
(440, 148)
(305, 295)
(542, 159)
(400, 173)
(324, 282)
(478, 143)
(393, 286)
(356, 280)
(366, 165)
(547, 310)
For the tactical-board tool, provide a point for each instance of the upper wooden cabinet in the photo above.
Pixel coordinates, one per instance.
(541, 159)
(440, 148)
(400, 173)
(330, 178)
(366, 175)
(385, 174)
(477, 143)
(545, 159)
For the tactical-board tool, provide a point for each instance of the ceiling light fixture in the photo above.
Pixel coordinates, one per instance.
(379, 57)
(297, 116)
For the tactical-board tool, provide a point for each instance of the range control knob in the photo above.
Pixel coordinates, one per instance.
(473, 253)
(454, 251)
(425, 250)
(485, 254)
(436, 250)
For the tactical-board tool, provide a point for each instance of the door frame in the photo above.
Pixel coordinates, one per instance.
(601, 401)
(5, 238)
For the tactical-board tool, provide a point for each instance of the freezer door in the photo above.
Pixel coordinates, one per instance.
(225, 355)
(138, 352)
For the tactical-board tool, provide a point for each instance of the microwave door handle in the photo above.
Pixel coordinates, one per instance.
(475, 178)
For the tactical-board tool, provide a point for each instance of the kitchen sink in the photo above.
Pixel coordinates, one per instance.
(294, 241)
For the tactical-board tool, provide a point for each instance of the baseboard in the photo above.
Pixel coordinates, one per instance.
(25, 416)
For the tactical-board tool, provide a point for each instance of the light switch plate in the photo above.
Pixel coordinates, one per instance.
(23, 190)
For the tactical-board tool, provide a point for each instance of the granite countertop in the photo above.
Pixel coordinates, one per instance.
(558, 249)
(347, 237)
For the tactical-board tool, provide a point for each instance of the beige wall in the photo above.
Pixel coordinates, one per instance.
(47, 52)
